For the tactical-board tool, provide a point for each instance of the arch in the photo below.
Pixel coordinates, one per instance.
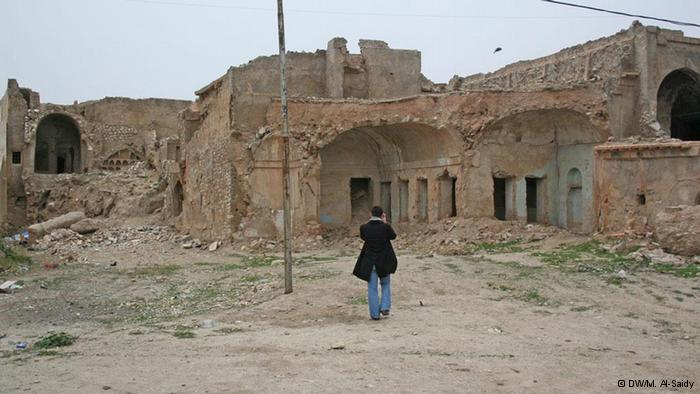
(359, 160)
(678, 104)
(57, 148)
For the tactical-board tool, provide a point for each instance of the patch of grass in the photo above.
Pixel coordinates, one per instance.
(258, 261)
(229, 330)
(500, 287)
(686, 271)
(589, 256)
(55, 339)
(252, 278)
(228, 267)
(533, 296)
(495, 247)
(184, 334)
(362, 300)
(12, 260)
(581, 308)
(158, 270)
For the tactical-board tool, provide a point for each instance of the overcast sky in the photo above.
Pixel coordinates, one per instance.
(87, 49)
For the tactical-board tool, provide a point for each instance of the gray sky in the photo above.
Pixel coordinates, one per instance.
(88, 49)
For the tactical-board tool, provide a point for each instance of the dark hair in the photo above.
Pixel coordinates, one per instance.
(377, 211)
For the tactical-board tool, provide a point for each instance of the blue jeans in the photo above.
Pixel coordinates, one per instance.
(373, 297)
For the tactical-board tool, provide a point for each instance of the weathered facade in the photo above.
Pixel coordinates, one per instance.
(530, 142)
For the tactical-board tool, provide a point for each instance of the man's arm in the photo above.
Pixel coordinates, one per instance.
(390, 232)
(362, 233)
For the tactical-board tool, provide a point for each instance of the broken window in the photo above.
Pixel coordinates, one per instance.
(57, 145)
(360, 199)
(423, 200)
(16, 157)
(386, 198)
(403, 201)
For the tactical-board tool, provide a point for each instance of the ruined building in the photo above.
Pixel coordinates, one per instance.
(597, 137)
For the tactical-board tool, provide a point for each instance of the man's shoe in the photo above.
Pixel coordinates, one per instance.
(384, 313)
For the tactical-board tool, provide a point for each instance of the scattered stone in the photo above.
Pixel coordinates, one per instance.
(337, 346)
(621, 274)
(9, 286)
(678, 229)
(208, 323)
(213, 246)
(86, 226)
(187, 245)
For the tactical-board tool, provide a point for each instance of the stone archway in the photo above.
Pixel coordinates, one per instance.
(361, 162)
(57, 147)
(678, 104)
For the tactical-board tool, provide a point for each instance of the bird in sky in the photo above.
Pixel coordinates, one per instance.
(497, 49)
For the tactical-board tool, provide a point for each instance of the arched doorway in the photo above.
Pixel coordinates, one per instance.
(57, 148)
(678, 104)
(574, 200)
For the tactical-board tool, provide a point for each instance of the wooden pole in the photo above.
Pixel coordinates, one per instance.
(285, 161)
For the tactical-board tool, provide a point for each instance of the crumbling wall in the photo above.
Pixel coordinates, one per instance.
(637, 181)
(212, 200)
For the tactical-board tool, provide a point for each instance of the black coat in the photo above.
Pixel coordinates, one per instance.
(377, 251)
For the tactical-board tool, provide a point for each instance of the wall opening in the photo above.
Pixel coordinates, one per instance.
(453, 211)
(574, 200)
(499, 198)
(360, 199)
(178, 197)
(678, 104)
(532, 201)
(386, 199)
(16, 157)
(447, 202)
(403, 201)
(423, 200)
(57, 148)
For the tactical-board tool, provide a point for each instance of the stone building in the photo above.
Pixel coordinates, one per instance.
(599, 136)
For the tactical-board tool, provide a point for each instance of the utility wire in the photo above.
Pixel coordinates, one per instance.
(623, 13)
(350, 13)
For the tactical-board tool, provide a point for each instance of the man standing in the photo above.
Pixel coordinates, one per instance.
(377, 261)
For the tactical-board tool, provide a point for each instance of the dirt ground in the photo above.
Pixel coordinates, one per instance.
(546, 316)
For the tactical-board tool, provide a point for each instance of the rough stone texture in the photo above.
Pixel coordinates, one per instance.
(635, 182)
(86, 226)
(63, 221)
(678, 230)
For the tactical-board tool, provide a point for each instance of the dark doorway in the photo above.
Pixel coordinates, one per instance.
(386, 199)
(403, 201)
(678, 104)
(447, 204)
(57, 145)
(360, 199)
(454, 197)
(499, 198)
(178, 196)
(531, 200)
(423, 200)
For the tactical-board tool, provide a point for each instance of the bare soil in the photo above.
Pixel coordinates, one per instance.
(511, 317)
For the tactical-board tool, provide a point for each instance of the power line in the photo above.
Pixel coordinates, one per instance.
(351, 13)
(623, 13)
